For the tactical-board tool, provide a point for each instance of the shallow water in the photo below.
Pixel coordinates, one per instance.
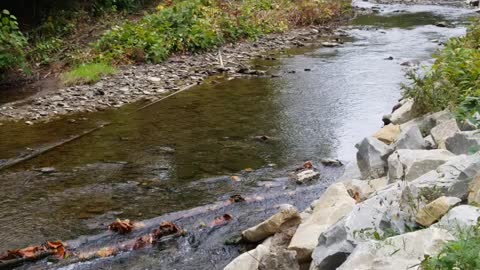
(179, 153)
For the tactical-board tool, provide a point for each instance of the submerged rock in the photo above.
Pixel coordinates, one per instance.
(307, 175)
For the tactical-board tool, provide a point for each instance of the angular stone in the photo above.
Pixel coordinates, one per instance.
(474, 191)
(398, 252)
(443, 131)
(450, 179)
(332, 205)
(272, 225)
(463, 142)
(403, 114)
(372, 158)
(280, 259)
(351, 172)
(430, 143)
(435, 210)
(250, 259)
(459, 218)
(362, 189)
(307, 175)
(388, 134)
(427, 122)
(408, 164)
(410, 139)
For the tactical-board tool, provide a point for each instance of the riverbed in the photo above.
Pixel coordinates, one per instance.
(190, 149)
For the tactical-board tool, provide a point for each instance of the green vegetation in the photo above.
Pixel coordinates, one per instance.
(196, 25)
(87, 73)
(454, 79)
(12, 42)
(462, 254)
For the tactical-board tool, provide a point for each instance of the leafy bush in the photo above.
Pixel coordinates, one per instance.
(462, 254)
(453, 78)
(12, 42)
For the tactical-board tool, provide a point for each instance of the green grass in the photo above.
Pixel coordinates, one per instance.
(87, 73)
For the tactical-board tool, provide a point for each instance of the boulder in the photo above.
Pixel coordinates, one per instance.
(443, 131)
(403, 114)
(274, 224)
(459, 218)
(388, 134)
(463, 142)
(404, 251)
(332, 205)
(474, 191)
(427, 122)
(351, 172)
(362, 189)
(433, 211)
(307, 175)
(408, 164)
(372, 158)
(450, 179)
(410, 138)
(250, 260)
(280, 259)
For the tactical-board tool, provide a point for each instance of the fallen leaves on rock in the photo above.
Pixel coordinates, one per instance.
(236, 198)
(121, 226)
(166, 228)
(57, 247)
(220, 221)
(308, 165)
(35, 252)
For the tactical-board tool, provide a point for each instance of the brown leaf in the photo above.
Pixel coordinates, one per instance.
(143, 242)
(165, 228)
(220, 221)
(57, 247)
(308, 165)
(248, 170)
(356, 197)
(235, 178)
(121, 226)
(28, 252)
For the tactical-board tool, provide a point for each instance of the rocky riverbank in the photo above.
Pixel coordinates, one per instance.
(152, 82)
(412, 190)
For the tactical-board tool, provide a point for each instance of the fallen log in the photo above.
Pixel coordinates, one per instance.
(12, 162)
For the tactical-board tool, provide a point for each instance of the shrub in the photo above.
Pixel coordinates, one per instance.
(12, 42)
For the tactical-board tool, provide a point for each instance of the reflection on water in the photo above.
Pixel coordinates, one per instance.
(149, 162)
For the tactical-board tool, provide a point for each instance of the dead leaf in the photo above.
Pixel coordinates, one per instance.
(143, 242)
(356, 197)
(106, 252)
(220, 221)
(57, 247)
(121, 226)
(248, 170)
(166, 228)
(235, 178)
(236, 198)
(28, 252)
(308, 165)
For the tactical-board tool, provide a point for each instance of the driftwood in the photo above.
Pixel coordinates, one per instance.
(9, 264)
(12, 162)
(172, 94)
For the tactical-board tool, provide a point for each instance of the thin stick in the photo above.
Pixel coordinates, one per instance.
(38, 152)
(172, 94)
(220, 58)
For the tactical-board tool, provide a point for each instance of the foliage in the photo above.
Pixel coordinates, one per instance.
(453, 78)
(196, 25)
(469, 110)
(12, 42)
(460, 254)
(87, 73)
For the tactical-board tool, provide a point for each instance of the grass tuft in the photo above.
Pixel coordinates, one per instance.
(87, 73)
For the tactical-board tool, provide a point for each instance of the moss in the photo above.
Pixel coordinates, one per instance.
(87, 73)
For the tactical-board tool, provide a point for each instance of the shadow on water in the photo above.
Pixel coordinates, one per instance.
(180, 153)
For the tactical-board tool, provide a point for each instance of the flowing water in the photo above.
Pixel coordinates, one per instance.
(180, 153)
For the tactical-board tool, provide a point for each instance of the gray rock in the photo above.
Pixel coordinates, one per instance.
(443, 131)
(372, 158)
(460, 217)
(410, 139)
(464, 142)
(280, 259)
(403, 114)
(430, 143)
(351, 172)
(427, 122)
(450, 179)
(331, 162)
(408, 165)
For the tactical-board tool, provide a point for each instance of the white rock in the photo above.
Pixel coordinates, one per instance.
(427, 122)
(250, 259)
(364, 188)
(459, 218)
(410, 139)
(443, 131)
(372, 158)
(332, 205)
(404, 251)
(272, 225)
(307, 175)
(430, 143)
(403, 114)
(463, 142)
(351, 172)
(408, 164)
(433, 211)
